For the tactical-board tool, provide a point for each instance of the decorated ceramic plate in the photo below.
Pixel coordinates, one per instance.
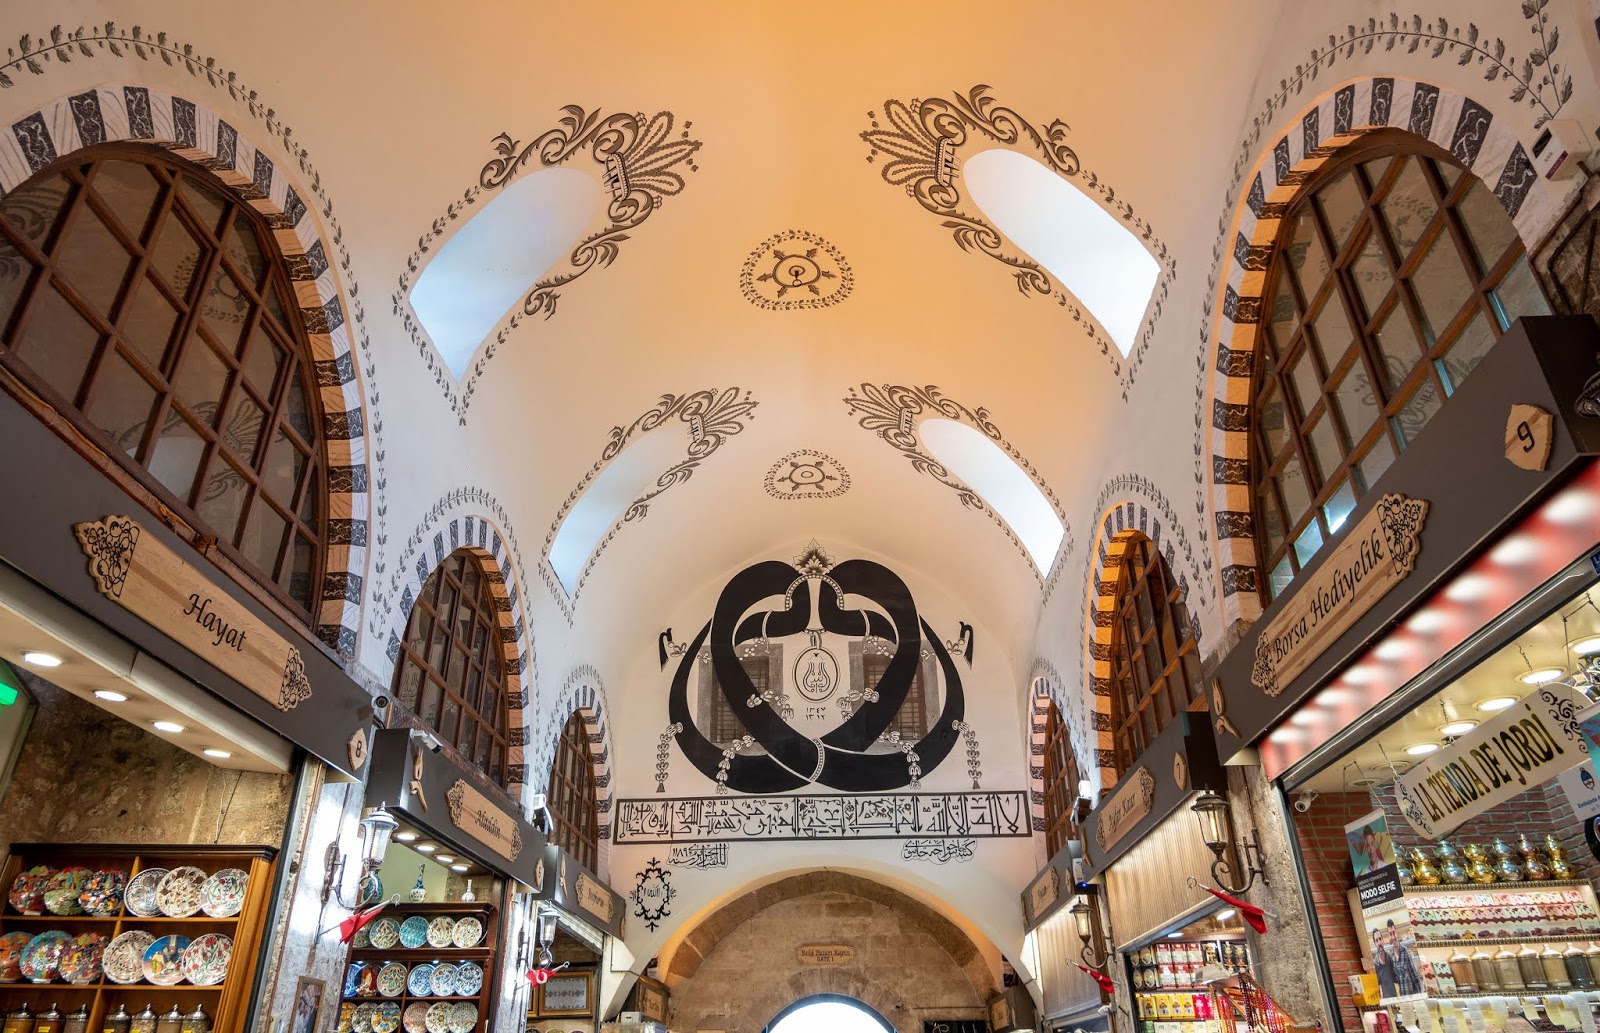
(443, 979)
(469, 979)
(392, 979)
(205, 960)
(347, 1018)
(414, 932)
(163, 960)
(352, 978)
(140, 896)
(178, 896)
(27, 891)
(123, 959)
(80, 962)
(463, 1016)
(363, 1018)
(11, 945)
(41, 958)
(468, 932)
(385, 933)
(420, 982)
(61, 892)
(222, 895)
(440, 930)
(386, 1017)
(102, 893)
(415, 1018)
(437, 1018)
(367, 984)
(362, 938)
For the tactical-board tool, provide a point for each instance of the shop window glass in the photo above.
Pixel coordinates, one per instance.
(573, 797)
(453, 640)
(1411, 270)
(1153, 661)
(98, 257)
(1061, 777)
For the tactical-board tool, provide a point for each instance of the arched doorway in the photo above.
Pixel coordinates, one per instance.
(828, 1013)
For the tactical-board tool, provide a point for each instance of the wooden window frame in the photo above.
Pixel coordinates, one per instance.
(911, 720)
(1374, 165)
(306, 518)
(1061, 778)
(1155, 666)
(430, 643)
(574, 799)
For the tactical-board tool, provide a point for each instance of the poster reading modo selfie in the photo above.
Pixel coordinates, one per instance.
(1372, 857)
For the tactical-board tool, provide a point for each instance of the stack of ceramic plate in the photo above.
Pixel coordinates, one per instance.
(123, 958)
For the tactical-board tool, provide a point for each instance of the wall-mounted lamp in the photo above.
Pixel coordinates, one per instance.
(375, 830)
(1094, 951)
(1216, 827)
(545, 936)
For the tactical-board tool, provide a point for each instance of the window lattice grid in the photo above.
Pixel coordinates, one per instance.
(725, 726)
(1395, 273)
(911, 720)
(451, 672)
(152, 309)
(1155, 668)
(1061, 777)
(574, 798)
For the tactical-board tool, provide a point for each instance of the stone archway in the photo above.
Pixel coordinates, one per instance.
(738, 968)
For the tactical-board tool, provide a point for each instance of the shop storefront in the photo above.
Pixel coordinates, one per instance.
(579, 920)
(1415, 697)
(172, 719)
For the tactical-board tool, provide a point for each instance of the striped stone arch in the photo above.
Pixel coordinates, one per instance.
(140, 114)
(1118, 526)
(583, 693)
(1488, 146)
(483, 539)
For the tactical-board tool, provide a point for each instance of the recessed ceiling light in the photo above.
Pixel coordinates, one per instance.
(1421, 749)
(442, 859)
(109, 696)
(425, 848)
(1458, 727)
(1175, 936)
(1586, 645)
(1540, 675)
(1363, 783)
(1494, 703)
(459, 868)
(405, 837)
(167, 726)
(38, 659)
(1225, 914)
(218, 754)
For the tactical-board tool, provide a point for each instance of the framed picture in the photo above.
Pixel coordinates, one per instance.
(306, 1016)
(570, 993)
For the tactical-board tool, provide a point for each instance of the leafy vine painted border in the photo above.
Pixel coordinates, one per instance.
(711, 418)
(920, 141)
(1535, 79)
(893, 412)
(34, 54)
(639, 162)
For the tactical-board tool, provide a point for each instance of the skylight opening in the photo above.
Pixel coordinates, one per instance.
(629, 475)
(1085, 248)
(490, 264)
(986, 468)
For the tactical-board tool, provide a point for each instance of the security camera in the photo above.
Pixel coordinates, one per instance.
(429, 741)
(539, 814)
(380, 709)
(1303, 802)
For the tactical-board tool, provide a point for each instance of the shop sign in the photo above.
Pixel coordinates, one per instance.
(1372, 857)
(1521, 748)
(473, 814)
(139, 572)
(825, 954)
(1043, 892)
(1375, 556)
(1128, 806)
(596, 899)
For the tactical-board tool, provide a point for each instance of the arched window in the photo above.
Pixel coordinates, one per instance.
(150, 307)
(573, 797)
(1155, 668)
(1061, 777)
(451, 671)
(1395, 273)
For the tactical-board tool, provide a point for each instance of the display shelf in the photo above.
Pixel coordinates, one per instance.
(485, 955)
(1477, 941)
(225, 1002)
(1497, 887)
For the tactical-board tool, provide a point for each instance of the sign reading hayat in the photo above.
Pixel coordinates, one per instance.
(1522, 747)
(1377, 555)
(134, 569)
(472, 813)
(1128, 806)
